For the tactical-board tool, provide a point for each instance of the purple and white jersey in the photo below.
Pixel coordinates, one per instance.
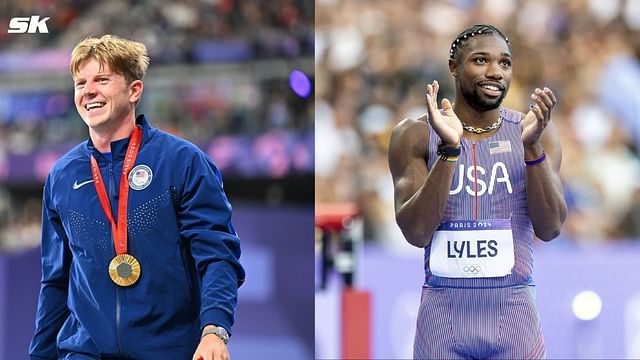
(490, 183)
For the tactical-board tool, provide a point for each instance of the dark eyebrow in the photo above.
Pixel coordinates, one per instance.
(486, 53)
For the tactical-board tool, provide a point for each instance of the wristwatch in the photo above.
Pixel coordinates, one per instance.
(218, 331)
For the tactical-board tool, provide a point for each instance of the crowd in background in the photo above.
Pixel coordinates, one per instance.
(198, 108)
(374, 59)
(189, 32)
(173, 31)
(200, 104)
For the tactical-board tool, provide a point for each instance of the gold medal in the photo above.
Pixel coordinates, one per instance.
(124, 270)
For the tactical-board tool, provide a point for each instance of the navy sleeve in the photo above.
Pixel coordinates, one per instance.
(204, 217)
(52, 301)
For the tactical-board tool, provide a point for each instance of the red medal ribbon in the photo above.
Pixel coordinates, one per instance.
(119, 230)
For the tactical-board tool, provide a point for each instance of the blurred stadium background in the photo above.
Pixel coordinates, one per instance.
(373, 61)
(223, 75)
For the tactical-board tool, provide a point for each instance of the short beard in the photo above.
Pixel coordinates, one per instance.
(479, 103)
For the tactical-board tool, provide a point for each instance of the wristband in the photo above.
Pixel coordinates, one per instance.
(449, 158)
(448, 150)
(448, 153)
(536, 161)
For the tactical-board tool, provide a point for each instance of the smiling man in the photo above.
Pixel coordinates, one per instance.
(474, 184)
(140, 259)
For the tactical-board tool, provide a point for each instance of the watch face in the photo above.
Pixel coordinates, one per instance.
(223, 333)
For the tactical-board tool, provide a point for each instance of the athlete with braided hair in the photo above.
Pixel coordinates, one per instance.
(474, 182)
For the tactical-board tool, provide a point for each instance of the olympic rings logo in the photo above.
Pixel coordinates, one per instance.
(473, 269)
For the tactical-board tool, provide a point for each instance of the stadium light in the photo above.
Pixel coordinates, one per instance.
(587, 305)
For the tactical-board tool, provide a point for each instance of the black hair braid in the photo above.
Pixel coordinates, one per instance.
(480, 29)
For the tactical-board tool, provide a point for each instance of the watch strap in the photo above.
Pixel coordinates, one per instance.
(217, 331)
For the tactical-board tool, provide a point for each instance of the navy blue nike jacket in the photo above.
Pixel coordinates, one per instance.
(179, 229)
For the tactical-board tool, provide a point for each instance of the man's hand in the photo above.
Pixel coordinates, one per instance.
(448, 127)
(538, 117)
(211, 347)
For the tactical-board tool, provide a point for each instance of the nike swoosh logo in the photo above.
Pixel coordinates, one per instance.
(77, 186)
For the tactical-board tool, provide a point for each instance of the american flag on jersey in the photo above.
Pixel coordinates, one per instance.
(500, 146)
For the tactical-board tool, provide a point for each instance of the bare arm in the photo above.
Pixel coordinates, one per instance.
(545, 199)
(421, 195)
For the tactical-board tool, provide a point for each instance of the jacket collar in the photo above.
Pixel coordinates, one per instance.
(119, 147)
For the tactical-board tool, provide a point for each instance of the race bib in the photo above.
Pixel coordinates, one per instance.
(472, 249)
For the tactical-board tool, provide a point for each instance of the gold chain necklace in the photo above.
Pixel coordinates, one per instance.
(491, 127)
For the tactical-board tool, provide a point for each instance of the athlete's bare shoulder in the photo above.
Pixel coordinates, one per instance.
(410, 138)
(410, 131)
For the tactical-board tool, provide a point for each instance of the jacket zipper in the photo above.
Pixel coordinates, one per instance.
(118, 309)
(118, 320)
(475, 175)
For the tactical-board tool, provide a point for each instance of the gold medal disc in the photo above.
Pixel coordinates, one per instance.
(124, 270)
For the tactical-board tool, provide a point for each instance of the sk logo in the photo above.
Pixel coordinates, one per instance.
(32, 25)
